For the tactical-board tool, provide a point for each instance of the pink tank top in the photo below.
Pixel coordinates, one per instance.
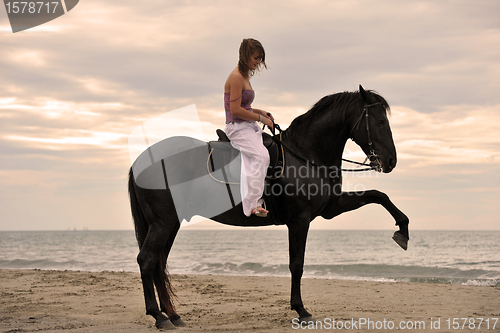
(247, 98)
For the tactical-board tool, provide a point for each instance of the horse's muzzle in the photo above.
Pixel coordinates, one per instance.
(376, 164)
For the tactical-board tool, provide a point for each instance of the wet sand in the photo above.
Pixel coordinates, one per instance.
(55, 301)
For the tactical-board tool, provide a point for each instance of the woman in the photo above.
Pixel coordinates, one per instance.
(242, 128)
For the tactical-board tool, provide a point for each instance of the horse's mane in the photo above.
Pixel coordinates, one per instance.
(338, 104)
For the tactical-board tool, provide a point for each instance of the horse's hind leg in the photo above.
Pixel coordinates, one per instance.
(162, 284)
(148, 260)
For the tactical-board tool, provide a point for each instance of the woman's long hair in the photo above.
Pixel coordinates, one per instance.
(247, 48)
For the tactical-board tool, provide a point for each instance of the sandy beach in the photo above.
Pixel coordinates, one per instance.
(54, 301)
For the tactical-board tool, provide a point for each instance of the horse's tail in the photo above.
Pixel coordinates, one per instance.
(164, 287)
(161, 275)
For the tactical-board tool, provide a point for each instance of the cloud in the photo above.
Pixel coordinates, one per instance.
(425, 53)
(72, 90)
(455, 135)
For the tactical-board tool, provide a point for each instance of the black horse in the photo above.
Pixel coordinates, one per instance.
(314, 143)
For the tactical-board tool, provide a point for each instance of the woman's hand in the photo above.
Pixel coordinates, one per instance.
(267, 118)
(268, 122)
(268, 115)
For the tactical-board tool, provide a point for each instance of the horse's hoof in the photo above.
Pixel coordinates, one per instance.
(179, 322)
(401, 240)
(165, 325)
(307, 319)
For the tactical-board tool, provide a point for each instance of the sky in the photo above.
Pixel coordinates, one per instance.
(73, 89)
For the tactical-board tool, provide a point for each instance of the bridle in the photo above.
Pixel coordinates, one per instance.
(374, 159)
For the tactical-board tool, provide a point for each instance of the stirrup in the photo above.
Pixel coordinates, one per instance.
(260, 214)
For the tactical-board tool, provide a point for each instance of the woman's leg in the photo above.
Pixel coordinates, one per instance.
(247, 137)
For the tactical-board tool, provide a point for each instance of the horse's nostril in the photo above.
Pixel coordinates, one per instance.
(392, 163)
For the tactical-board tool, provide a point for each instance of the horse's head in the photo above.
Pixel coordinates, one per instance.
(371, 131)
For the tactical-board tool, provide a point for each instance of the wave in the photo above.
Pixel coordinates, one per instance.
(385, 273)
(365, 272)
(38, 264)
(72, 265)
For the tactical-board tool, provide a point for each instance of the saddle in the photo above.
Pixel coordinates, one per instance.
(272, 143)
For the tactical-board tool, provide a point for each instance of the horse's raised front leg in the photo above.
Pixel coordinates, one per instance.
(297, 236)
(348, 201)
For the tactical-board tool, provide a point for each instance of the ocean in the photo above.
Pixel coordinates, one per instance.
(449, 257)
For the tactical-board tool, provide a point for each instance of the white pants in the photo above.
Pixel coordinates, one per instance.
(247, 138)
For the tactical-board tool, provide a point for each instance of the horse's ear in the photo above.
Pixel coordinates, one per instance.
(364, 95)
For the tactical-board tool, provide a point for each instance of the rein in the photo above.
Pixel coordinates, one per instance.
(373, 157)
